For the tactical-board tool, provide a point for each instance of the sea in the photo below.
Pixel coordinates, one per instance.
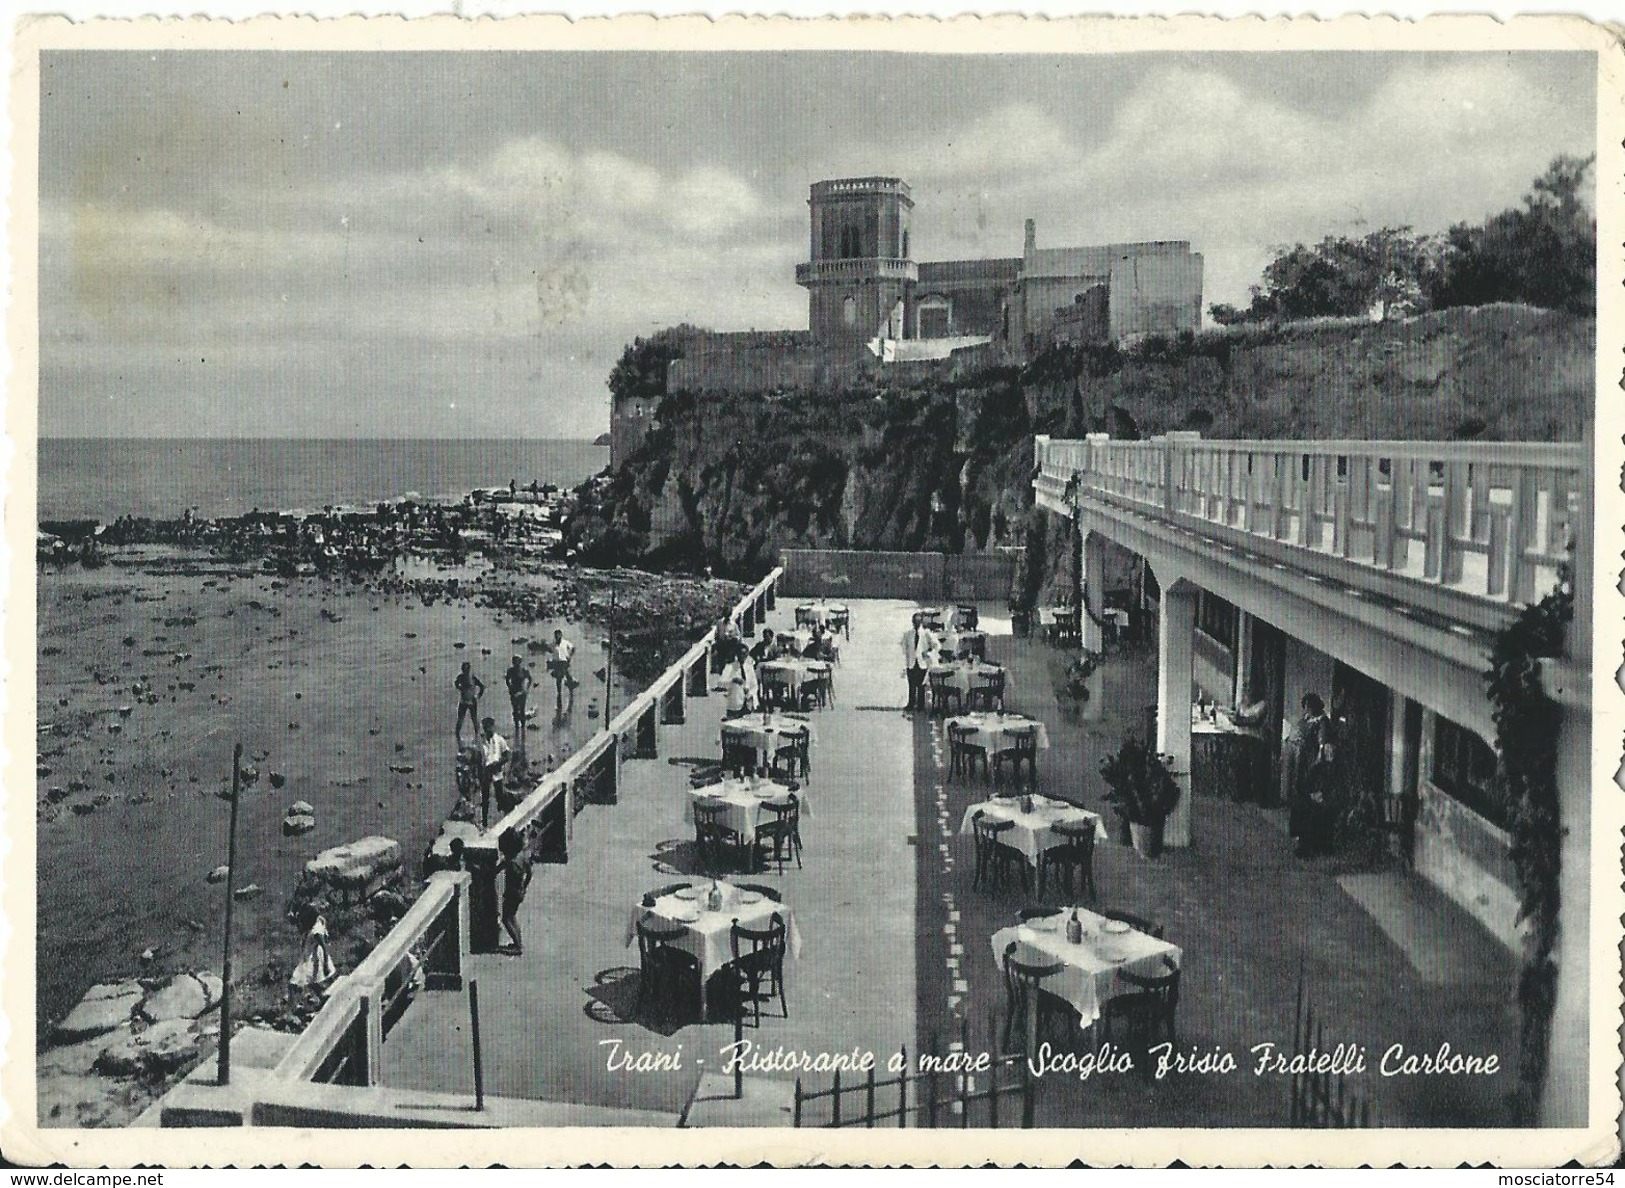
(104, 478)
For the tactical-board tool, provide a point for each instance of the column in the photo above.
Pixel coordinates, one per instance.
(480, 857)
(1094, 591)
(1175, 626)
(646, 734)
(443, 964)
(1243, 656)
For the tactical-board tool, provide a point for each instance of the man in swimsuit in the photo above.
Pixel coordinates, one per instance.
(519, 681)
(516, 871)
(559, 668)
(469, 690)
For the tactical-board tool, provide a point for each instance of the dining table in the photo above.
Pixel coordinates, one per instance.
(994, 731)
(794, 671)
(1229, 760)
(766, 732)
(745, 798)
(831, 616)
(1034, 830)
(1089, 968)
(966, 675)
(707, 932)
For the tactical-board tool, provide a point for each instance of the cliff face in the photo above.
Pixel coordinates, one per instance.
(945, 463)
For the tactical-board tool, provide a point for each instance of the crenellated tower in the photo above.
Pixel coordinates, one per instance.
(859, 270)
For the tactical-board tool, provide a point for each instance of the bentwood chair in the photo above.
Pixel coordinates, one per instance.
(720, 844)
(793, 760)
(1023, 749)
(1138, 923)
(995, 859)
(779, 839)
(762, 889)
(1143, 1015)
(942, 691)
(667, 976)
(758, 966)
(1074, 856)
(963, 755)
(1028, 1006)
(987, 693)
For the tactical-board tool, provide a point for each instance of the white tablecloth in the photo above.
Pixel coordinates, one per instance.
(1033, 832)
(794, 669)
(1088, 976)
(768, 735)
(967, 675)
(744, 798)
(993, 731)
(821, 613)
(709, 935)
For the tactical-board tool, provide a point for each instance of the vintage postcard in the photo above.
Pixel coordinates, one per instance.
(891, 591)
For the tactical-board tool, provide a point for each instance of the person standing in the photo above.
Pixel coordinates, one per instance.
(515, 870)
(519, 681)
(559, 668)
(469, 691)
(494, 751)
(1302, 784)
(919, 653)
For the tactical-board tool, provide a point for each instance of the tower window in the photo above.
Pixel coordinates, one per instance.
(851, 242)
(849, 311)
(905, 243)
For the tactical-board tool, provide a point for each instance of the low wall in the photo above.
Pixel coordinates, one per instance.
(925, 577)
(1468, 858)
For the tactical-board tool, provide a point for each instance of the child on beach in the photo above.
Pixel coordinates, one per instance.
(516, 871)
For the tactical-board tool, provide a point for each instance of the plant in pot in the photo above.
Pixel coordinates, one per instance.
(1142, 791)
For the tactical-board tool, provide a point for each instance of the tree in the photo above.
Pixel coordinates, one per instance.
(1543, 253)
(1339, 276)
(641, 369)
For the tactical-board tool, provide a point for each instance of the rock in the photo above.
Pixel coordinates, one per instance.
(183, 998)
(252, 891)
(81, 1057)
(296, 824)
(301, 808)
(218, 874)
(402, 768)
(357, 863)
(147, 955)
(278, 779)
(162, 1048)
(212, 986)
(103, 1008)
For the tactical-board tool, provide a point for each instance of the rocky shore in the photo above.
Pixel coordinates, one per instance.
(334, 669)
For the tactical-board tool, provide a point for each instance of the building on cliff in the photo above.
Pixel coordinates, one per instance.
(870, 305)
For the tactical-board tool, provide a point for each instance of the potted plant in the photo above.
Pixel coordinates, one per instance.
(1142, 791)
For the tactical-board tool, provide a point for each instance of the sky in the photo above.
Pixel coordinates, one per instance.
(267, 244)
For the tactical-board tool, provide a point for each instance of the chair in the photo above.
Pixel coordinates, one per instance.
(1042, 912)
(793, 760)
(806, 616)
(1028, 1007)
(717, 840)
(772, 893)
(967, 615)
(818, 690)
(1397, 820)
(988, 692)
(1145, 1013)
(1023, 748)
(758, 965)
(962, 753)
(1075, 854)
(840, 621)
(705, 775)
(994, 857)
(783, 832)
(664, 970)
(775, 690)
(649, 897)
(739, 756)
(1138, 923)
(941, 691)
(973, 647)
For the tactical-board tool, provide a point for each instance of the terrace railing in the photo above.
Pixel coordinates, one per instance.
(1467, 526)
(343, 1044)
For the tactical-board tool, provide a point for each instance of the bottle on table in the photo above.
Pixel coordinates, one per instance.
(1074, 929)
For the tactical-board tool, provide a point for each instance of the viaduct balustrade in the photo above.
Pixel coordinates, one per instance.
(457, 911)
(1464, 528)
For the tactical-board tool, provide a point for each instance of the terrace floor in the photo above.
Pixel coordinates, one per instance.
(896, 943)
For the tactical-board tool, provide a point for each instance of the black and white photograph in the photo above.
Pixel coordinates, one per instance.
(621, 581)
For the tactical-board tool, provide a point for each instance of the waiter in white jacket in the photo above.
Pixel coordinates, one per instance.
(919, 653)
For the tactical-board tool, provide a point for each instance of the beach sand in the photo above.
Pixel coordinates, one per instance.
(330, 684)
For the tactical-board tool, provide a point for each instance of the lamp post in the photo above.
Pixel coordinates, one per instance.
(223, 1072)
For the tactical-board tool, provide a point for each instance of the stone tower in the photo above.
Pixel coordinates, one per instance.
(860, 271)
